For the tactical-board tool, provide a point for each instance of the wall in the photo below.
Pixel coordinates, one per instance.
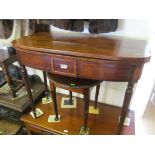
(147, 81)
(16, 33)
(113, 92)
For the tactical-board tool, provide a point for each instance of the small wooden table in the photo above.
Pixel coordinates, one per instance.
(105, 123)
(85, 56)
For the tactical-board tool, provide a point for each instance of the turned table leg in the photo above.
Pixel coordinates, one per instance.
(96, 96)
(53, 94)
(45, 84)
(28, 89)
(86, 108)
(126, 102)
(70, 97)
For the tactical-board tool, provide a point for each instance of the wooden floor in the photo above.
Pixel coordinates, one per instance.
(72, 119)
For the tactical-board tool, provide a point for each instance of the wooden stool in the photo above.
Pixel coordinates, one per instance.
(77, 85)
(8, 57)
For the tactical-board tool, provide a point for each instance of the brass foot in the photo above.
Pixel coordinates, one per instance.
(56, 119)
(53, 118)
(46, 100)
(84, 131)
(36, 113)
(92, 110)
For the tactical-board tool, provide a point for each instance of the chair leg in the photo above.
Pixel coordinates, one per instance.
(53, 94)
(9, 80)
(96, 96)
(86, 108)
(70, 97)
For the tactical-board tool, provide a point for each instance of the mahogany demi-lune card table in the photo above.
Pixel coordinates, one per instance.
(85, 56)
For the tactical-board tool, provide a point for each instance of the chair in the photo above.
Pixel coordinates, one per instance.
(81, 86)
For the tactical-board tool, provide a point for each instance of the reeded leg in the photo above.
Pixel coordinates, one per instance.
(126, 102)
(86, 108)
(9, 80)
(96, 96)
(70, 97)
(28, 89)
(45, 84)
(53, 94)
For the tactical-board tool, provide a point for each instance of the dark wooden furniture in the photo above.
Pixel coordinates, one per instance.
(85, 56)
(12, 107)
(12, 110)
(7, 58)
(77, 85)
(105, 123)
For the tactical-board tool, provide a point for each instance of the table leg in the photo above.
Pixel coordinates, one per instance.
(45, 84)
(28, 89)
(126, 102)
(9, 80)
(86, 108)
(96, 96)
(70, 97)
(53, 93)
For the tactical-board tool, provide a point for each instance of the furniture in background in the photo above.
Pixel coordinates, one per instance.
(12, 106)
(90, 57)
(8, 57)
(72, 84)
(14, 101)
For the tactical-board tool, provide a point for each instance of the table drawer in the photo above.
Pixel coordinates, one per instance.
(64, 66)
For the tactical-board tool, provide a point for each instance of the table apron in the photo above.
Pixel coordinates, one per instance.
(106, 70)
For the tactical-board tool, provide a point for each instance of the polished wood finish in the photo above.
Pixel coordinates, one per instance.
(105, 123)
(76, 85)
(35, 60)
(64, 66)
(88, 56)
(104, 70)
(88, 46)
(72, 83)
